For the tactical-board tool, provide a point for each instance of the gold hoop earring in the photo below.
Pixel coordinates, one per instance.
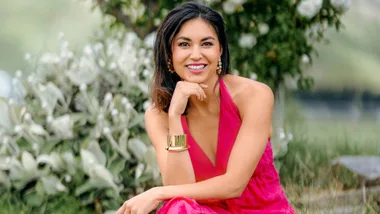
(219, 68)
(169, 64)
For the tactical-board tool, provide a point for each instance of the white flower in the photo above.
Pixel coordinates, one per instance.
(27, 117)
(281, 134)
(124, 101)
(305, 59)
(30, 79)
(237, 2)
(229, 7)
(106, 130)
(63, 126)
(35, 146)
(114, 112)
(253, 76)
(112, 66)
(263, 28)
(108, 97)
(290, 136)
(49, 58)
(149, 40)
(44, 105)
(156, 22)
(49, 119)
(67, 178)
(83, 87)
(309, 8)
(18, 73)
(60, 187)
(18, 129)
(342, 5)
(27, 56)
(147, 104)
(87, 50)
(247, 40)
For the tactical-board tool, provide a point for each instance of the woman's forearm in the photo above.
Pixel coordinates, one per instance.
(216, 188)
(178, 168)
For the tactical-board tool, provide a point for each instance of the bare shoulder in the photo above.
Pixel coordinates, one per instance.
(248, 93)
(154, 117)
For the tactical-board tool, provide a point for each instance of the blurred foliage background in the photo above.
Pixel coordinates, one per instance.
(350, 61)
(339, 116)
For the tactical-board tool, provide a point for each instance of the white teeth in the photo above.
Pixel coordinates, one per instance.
(196, 67)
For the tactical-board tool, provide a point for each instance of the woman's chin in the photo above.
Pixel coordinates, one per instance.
(200, 78)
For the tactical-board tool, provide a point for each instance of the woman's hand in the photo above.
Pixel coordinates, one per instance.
(182, 92)
(143, 203)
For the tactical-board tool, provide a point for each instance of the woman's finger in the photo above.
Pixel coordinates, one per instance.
(200, 92)
(121, 210)
(194, 91)
(203, 85)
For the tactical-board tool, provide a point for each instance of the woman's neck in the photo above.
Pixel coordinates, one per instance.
(210, 105)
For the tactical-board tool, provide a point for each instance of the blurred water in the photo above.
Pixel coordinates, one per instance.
(346, 105)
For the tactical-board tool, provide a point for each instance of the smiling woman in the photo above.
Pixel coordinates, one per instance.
(211, 130)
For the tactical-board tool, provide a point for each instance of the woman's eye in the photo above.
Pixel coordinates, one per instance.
(208, 44)
(183, 44)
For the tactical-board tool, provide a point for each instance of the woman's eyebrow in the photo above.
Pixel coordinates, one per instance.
(188, 39)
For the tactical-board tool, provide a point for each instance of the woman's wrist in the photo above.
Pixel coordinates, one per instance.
(159, 194)
(175, 126)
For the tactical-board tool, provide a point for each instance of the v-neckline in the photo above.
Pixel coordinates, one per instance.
(215, 164)
(218, 134)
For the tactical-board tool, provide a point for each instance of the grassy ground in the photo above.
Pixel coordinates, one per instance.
(306, 168)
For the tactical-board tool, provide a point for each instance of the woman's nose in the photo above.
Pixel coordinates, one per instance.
(195, 53)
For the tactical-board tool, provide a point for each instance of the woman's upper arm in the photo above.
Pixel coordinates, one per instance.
(156, 124)
(256, 107)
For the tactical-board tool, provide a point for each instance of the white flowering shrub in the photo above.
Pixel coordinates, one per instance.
(75, 124)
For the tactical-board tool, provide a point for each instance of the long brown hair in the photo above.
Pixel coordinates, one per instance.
(164, 81)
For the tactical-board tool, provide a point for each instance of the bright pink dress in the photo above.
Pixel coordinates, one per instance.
(263, 193)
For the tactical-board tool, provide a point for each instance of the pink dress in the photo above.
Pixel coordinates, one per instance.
(263, 193)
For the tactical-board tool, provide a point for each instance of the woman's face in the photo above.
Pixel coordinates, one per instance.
(196, 51)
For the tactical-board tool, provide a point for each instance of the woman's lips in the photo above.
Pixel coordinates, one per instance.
(196, 69)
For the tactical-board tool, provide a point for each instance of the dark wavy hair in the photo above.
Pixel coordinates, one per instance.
(164, 81)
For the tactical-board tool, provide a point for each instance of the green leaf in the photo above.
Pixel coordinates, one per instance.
(117, 166)
(95, 149)
(33, 199)
(4, 115)
(138, 148)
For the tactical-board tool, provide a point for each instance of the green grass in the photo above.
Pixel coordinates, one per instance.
(306, 168)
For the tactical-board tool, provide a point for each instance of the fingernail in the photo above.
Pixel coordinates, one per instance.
(203, 85)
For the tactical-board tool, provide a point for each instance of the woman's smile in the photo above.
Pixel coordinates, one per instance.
(196, 68)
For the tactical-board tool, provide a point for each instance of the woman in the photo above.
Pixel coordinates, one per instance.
(211, 130)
